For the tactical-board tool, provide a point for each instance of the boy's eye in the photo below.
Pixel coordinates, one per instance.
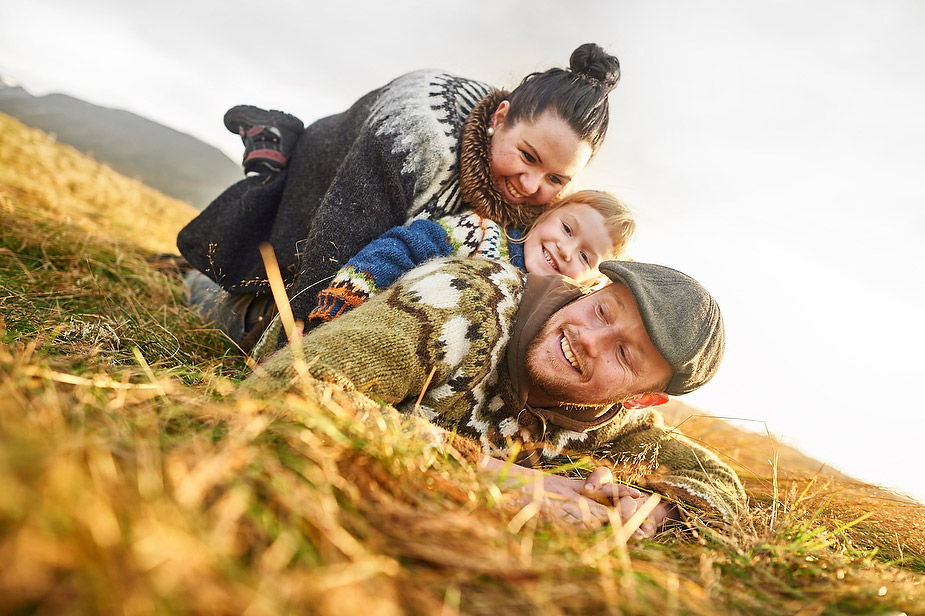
(585, 258)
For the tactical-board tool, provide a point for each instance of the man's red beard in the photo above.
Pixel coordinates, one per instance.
(552, 382)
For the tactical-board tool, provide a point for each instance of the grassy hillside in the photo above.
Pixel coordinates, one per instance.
(174, 163)
(133, 480)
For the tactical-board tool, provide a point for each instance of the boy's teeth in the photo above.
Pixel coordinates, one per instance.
(549, 260)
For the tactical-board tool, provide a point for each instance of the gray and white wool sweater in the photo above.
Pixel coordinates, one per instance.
(414, 147)
(460, 318)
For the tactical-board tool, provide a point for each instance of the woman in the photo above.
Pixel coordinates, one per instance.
(426, 144)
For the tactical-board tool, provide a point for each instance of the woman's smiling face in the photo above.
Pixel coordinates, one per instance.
(571, 240)
(531, 162)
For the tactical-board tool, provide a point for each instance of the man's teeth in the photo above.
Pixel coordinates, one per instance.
(567, 351)
(512, 190)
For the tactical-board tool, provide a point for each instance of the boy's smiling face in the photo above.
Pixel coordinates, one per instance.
(571, 240)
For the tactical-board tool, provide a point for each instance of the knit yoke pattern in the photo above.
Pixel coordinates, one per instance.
(455, 316)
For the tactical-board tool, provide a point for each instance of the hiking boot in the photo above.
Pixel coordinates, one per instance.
(268, 136)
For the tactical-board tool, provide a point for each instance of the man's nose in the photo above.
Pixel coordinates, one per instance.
(598, 339)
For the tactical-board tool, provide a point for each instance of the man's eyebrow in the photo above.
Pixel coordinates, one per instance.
(618, 299)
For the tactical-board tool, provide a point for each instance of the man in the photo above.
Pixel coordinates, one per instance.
(531, 365)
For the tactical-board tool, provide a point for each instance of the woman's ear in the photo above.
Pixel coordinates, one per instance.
(646, 400)
(500, 114)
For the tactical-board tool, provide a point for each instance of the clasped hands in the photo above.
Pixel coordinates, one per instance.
(589, 502)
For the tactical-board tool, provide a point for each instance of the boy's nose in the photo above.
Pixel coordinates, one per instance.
(565, 251)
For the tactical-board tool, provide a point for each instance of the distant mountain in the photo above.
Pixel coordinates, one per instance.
(172, 162)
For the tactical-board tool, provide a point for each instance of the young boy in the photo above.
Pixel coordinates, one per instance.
(571, 238)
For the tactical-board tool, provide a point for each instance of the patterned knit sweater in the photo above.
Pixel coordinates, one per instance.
(456, 316)
(415, 147)
(400, 249)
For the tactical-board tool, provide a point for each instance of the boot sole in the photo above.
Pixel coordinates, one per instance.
(248, 115)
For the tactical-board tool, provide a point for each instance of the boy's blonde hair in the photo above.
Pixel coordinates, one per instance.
(618, 218)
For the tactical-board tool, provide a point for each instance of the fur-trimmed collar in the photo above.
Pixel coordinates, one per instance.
(475, 182)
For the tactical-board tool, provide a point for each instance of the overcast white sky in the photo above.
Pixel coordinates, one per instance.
(773, 150)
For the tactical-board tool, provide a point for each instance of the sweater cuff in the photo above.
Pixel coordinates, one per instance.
(334, 301)
(712, 500)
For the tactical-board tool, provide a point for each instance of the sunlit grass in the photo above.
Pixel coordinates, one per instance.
(135, 480)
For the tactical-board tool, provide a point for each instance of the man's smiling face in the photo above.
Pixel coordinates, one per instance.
(595, 351)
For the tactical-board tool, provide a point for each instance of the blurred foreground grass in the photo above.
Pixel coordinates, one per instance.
(133, 480)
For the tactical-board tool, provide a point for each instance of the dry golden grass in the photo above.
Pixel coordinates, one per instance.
(61, 182)
(134, 479)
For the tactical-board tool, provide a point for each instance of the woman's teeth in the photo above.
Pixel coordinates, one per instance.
(512, 190)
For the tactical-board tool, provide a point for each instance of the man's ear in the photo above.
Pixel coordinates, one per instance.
(646, 400)
(500, 114)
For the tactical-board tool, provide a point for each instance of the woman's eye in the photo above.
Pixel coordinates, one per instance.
(567, 228)
(528, 157)
(555, 180)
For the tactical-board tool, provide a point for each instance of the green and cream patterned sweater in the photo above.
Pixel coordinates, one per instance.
(455, 317)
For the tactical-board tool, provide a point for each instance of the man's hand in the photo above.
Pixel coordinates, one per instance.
(585, 502)
(600, 487)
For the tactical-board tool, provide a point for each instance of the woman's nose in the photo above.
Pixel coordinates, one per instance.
(530, 182)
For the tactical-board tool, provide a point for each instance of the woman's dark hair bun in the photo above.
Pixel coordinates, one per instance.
(578, 94)
(590, 60)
